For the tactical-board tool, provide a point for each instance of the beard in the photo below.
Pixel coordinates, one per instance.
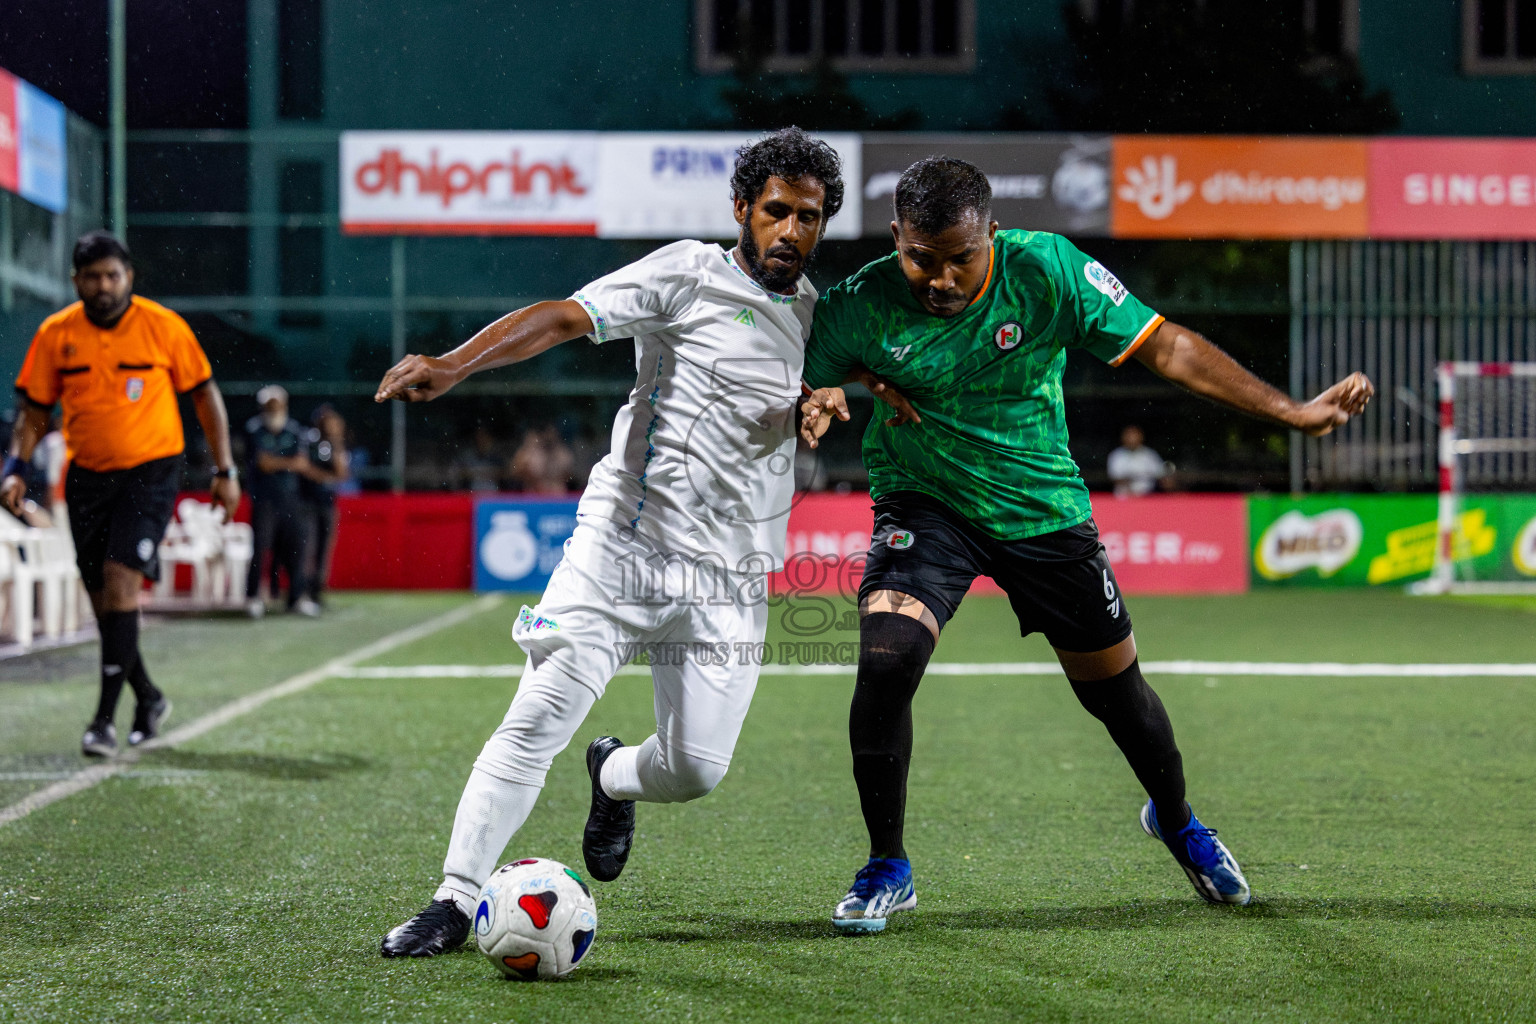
(774, 279)
(105, 307)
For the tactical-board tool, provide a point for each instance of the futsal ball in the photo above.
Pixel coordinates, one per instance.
(535, 919)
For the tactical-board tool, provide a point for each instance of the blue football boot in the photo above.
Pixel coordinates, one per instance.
(1209, 864)
(882, 887)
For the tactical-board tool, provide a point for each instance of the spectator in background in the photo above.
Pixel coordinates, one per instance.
(1134, 468)
(543, 463)
(328, 468)
(478, 467)
(278, 452)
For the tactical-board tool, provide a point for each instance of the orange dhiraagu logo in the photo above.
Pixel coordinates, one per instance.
(1238, 187)
(1411, 550)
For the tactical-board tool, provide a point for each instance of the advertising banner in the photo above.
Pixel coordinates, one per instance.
(470, 183)
(1238, 187)
(678, 185)
(1376, 540)
(518, 542)
(41, 167)
(614, 184)
(1043, 182)
(1160, 544)
(1176, 543)
(33, 156)
(1453, 188)
(10, 136)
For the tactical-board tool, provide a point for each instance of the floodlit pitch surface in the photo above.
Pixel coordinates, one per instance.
(1387, 826)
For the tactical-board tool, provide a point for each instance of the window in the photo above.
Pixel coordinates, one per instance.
(1331, 27)
(1498, 37)
(300, 44)
(936, 36)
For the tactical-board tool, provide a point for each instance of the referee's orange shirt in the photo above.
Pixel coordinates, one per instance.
(118, 386)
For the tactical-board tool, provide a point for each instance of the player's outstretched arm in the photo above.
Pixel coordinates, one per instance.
(519, 335)
(1184, 357)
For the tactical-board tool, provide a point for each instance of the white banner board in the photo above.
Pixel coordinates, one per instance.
(616, 184)
(678, 185)
(469, 183)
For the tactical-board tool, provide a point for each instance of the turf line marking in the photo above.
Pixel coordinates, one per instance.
(86, 778)
(1321, 669)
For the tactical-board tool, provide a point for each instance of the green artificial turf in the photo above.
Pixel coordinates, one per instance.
(1386, 826)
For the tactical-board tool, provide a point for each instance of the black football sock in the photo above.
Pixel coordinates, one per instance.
(1139, 725)
(145, 692)
(119, 653)
(893, 652)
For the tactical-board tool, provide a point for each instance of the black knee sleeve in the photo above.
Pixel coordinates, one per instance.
(1139, 725)
(893, 653)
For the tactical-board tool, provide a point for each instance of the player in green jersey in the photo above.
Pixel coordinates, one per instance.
(972, 325)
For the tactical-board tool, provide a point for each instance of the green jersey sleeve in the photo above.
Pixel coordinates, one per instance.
(1111, 322)
(835, 347)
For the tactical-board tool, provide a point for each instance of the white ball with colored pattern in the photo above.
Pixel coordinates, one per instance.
(535, 919)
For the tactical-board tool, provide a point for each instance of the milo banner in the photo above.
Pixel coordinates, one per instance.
(1387, 540)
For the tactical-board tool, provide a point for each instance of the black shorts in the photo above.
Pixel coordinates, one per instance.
(1059, 584)
(121, 515)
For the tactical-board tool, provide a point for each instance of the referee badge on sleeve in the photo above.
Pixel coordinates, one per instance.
(135, 388)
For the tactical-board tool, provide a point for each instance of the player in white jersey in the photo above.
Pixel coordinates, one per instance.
(676, 532)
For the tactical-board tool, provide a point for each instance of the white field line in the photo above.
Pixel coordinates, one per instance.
(87, 777)
(1324, 669)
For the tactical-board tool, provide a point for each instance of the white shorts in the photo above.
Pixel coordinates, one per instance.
(614, 597)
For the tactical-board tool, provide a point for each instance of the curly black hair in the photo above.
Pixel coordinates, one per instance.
(938, 191)
(99, 245)
(791, 154)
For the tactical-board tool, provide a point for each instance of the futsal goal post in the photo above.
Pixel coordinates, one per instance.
(1487, 444)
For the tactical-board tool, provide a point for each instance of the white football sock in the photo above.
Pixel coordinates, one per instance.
(490, 811)
(620, 777)
(659, 775)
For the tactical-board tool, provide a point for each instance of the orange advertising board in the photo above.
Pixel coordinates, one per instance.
(1182, 186)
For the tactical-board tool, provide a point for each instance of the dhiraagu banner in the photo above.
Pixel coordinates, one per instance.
(1377, 540)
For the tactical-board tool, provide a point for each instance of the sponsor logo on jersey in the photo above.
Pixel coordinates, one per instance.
(1103, 281)
(1008, 335)
(135, 388)
(745, 317)
(900, 539)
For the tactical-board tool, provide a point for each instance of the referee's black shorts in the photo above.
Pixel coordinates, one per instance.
(121, 515)
(1059, 583)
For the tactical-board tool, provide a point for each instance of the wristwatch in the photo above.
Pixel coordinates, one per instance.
(226, 474)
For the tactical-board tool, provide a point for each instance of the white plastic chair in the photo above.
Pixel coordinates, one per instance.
(239, 549)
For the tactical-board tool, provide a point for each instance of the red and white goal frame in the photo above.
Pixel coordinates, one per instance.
(1457, 443)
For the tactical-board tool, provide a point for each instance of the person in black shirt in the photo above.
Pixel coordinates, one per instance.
(328, 466)
(277, 450)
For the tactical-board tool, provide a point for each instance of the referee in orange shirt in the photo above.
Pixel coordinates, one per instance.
(117, 362)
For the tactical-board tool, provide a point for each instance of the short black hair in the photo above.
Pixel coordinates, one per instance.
(99, 245)
(938, 191)
(791, 154)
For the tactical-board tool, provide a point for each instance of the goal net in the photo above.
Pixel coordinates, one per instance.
(1485, 537)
